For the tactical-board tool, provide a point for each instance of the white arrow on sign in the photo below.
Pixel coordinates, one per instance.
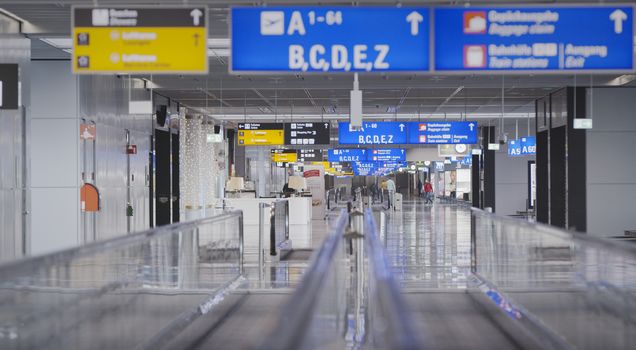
(196, 15)
(415, 19)
(471, 126)
(401, 127)
(618, 16)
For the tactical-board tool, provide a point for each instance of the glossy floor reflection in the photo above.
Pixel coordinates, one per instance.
(429, 245)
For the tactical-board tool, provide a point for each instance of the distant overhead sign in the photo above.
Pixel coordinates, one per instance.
(347, 155)
(569, 38)
(329, 39)
(307, 133)
(310, 155)
(284, 155)
(373, 133)
(387, 155)
(260, 134)
(140, 40)
(524, 146)
(9, 86)
(442, 132)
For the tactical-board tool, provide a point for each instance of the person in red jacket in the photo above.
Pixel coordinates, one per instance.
(428, 189)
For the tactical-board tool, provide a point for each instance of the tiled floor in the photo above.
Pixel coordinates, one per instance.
(429, 245)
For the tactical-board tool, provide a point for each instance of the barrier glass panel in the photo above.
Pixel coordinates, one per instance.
(121, 293)
(579, 287)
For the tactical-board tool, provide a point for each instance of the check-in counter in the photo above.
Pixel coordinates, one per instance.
(300, 215)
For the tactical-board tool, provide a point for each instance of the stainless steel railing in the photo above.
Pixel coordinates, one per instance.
(390, 325)
(312, 315)
(343, 302)
(570, 290)
(133, 291)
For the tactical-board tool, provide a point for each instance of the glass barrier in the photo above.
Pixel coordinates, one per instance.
(390, 325)
(315, 316)
(576, 291)
(134, 291)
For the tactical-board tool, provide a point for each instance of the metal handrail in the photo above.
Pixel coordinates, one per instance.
(296, 315)
(391, 301)
(30, 264)
(557, 232)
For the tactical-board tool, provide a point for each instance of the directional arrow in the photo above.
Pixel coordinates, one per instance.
(618, 16)
(471, 126)
(415, 19)
(196, 16)
(401, 127)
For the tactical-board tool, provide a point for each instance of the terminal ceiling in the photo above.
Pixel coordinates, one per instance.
(315, 96)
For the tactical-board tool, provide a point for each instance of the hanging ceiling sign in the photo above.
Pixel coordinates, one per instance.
(346, 155)
(514, 148)
(310, 155)
(9, 86)
(307, 133)
(260, 134)
(372, 133)
(140, 40)
(284, 155)
(525, 146)
(443, 132)
(387, 155)
(329, 39)
(541, 39)
(528, 145)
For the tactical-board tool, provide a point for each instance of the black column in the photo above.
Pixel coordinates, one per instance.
(475, 181)
(488, 164)
(557, 176)
(576, 160)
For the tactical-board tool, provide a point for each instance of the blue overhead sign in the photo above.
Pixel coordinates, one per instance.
(330, 39)
(387, 155)
(514, 148)
(364, 168)
(525, 146)
(528, 145)
(347, 155)
(372, 133)
(589, 38)
(442, 132)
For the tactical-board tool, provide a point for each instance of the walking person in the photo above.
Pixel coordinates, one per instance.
(428, 190)
(390, 187)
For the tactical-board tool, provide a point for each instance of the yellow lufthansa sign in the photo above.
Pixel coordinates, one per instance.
(261, 134)
(285, 157)
(140, 40)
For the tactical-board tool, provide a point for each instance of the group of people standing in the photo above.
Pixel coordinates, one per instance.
(427, 189)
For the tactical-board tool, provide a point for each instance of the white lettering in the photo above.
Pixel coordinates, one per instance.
(296, 24)
(296, 59)
(359, 56)
(339, 57)
(382, 50)
(313, 57)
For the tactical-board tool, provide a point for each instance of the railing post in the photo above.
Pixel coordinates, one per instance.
(261, 233)
(272, 230)
(241, 244)
(473, 242)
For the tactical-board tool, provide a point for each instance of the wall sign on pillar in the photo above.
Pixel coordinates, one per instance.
(9, 86)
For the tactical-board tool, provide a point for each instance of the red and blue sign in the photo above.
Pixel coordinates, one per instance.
(590, 38)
